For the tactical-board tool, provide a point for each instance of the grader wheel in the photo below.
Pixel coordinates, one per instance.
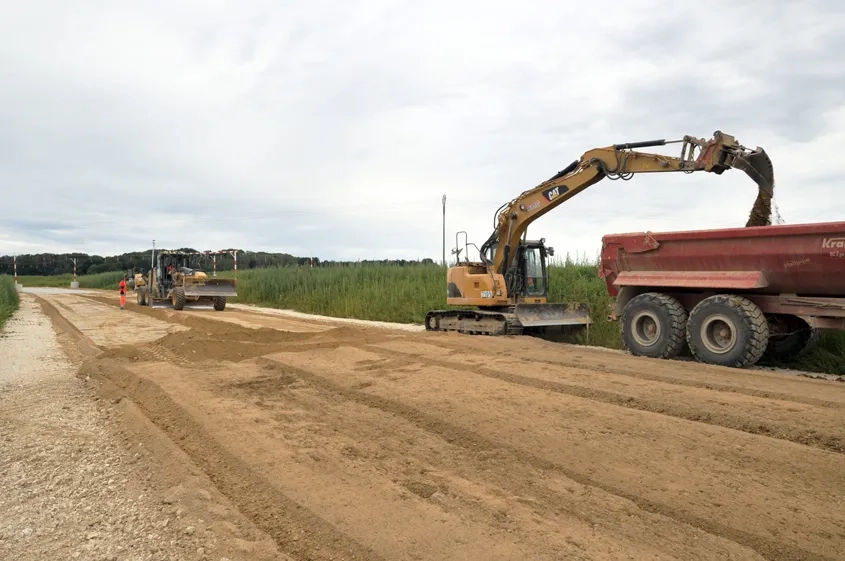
(219, 303)
(178, 297)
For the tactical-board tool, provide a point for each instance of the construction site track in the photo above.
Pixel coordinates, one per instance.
(363, 443)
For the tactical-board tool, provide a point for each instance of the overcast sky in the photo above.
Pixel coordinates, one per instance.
(334, 128)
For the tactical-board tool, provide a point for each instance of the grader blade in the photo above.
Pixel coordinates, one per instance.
(543, 315)
(211, 287)
(167, 304)
(159, 303)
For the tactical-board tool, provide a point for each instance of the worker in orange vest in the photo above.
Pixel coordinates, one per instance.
(122, 293)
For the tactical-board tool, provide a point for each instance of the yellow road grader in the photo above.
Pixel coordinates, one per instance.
(172, 283)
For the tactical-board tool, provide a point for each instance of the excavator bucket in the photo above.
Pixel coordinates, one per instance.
(758, 166)
(543, 315)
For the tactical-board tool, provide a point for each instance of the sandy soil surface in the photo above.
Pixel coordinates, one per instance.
(358, 442)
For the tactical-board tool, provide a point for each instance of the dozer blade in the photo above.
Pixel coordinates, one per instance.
(541, 315)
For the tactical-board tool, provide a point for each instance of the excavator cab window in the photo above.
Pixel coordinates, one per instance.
(535, 277)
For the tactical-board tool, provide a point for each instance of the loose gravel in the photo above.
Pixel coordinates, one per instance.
(69, 488)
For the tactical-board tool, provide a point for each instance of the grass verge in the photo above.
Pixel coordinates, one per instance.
(101, 281)
(9, 300)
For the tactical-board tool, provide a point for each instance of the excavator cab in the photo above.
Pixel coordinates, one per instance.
(529, 281)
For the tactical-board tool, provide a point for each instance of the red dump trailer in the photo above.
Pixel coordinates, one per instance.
(732, 296)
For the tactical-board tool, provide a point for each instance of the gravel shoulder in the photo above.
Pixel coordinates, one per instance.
(82, 477)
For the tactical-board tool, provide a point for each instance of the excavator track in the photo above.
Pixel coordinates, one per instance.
(473, 322)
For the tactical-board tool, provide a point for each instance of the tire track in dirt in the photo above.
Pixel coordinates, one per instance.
(269, 509)
(84, 345)
(686, 411)
(805, 435)
(726, 388)
(281, 427)
(471, 440)
(802, 433)
(600, 364)
(677, 379)
(545, 509)
(766, 544)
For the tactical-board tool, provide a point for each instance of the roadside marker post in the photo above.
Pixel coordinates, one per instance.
(75, 283)
(18, 287)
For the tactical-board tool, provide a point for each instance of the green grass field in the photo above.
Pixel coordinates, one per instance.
(8, 298)
(405, 294)
(102, 280)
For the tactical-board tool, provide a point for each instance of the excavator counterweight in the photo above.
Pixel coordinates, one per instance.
(506, 292)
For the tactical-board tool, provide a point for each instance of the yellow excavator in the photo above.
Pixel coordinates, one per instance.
(506, 292)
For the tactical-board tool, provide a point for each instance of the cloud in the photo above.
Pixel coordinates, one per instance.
(334, 130)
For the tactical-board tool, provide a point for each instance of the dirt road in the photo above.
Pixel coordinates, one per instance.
(350, 442)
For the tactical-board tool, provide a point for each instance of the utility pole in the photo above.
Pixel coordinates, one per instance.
(444, 230)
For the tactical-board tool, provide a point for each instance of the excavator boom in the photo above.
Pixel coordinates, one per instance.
(621, 161)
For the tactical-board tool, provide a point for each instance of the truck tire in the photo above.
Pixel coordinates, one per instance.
(727, 330)
(653, 326)
(178, 298)
(799, 338)
(142, 296)
(219, 303)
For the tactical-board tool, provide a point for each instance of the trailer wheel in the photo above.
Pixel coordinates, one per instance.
(653, 326)
(219, 303)
(727, 330)
(178, 298)
(790, 338)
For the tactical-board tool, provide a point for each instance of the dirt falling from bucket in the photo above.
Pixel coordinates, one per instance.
(761, 212)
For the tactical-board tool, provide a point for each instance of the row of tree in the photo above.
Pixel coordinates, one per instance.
(48, 264)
